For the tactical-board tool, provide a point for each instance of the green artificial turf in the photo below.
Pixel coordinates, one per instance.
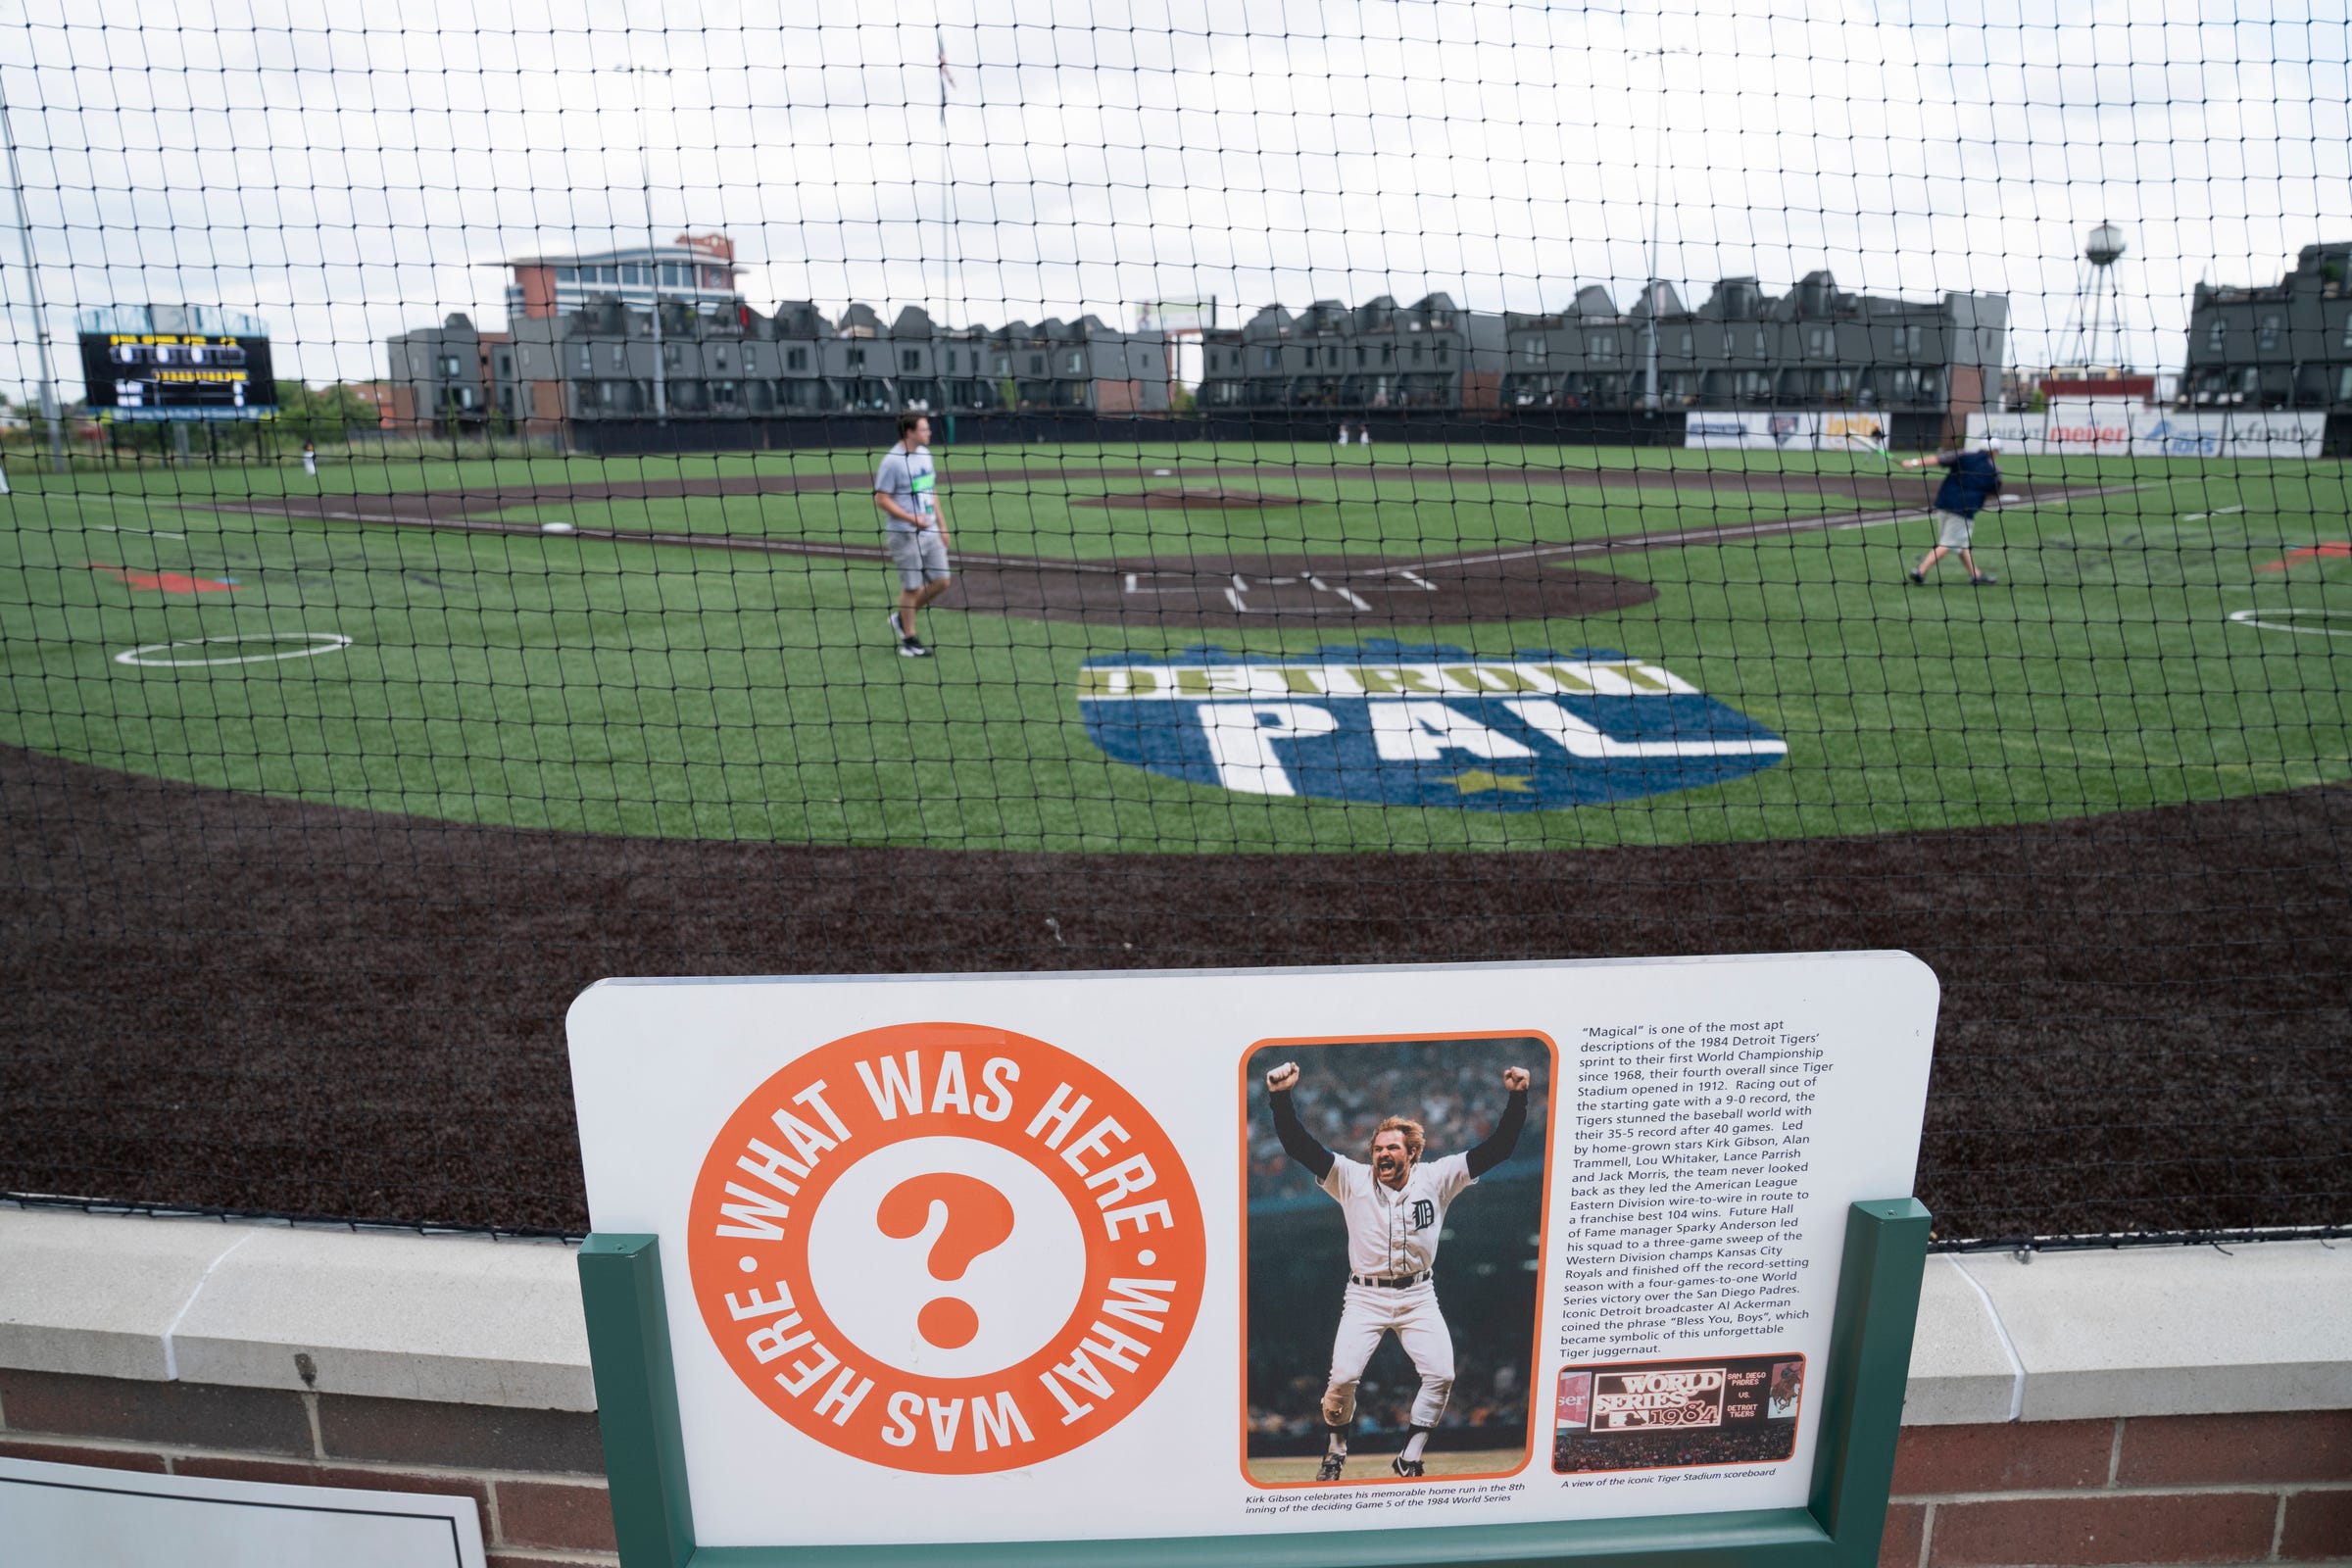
(616, 687)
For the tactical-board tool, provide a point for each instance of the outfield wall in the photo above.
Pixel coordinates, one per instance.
(2146, 1406)
(1306, 426)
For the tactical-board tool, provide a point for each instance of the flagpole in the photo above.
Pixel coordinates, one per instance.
(947, 219)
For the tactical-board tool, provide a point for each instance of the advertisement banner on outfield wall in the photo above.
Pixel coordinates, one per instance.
(2115, 429)
(1110, 1255)
(1800, 429)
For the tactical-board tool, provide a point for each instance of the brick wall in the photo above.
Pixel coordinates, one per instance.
(2175, 1488)
(2190, 1489)
(537, 1476)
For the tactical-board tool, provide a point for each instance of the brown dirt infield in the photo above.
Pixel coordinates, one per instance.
(1335, 593)
(1503, 582)
(1211, 500)
(216, 1000)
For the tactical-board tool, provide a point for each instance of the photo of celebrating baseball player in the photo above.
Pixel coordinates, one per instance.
(1411, 1361)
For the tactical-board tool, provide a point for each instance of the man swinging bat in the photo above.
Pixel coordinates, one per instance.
(1395, 1211)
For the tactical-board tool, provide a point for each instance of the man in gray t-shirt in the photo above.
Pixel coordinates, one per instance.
(906, 493)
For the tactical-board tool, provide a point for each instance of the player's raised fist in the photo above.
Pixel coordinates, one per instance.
(1283, 1078)
(1514, 1078)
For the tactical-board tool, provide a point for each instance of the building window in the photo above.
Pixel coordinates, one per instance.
(2268, 338)
(1600, 344)
(1690, 341)
(673, 354)
(1444, 354)
(857, 358)
(621, 357)
(1727, 343)
(1360, 355)
(722, 394)
(796, 359)
(588, 359)
(751, 360)
(1820, 342)
(2346, 340)
(568, 275)
(1915, 338)
(1416, 354)
(718, 357)
(1760, 349)
(910, 361)
(505, 367)
(1269, 358)
(1388, 354)
(1074, 363)
(1037, 364)
(2216, 333)
(451, 365)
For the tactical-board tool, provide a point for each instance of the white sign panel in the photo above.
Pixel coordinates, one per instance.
(1116, 1255)
(74, 1516)
(2102, 427)
(1802, 429)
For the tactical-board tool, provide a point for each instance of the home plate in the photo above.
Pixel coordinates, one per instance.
(556, 527)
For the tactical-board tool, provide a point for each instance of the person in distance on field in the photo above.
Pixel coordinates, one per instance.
(1974, 478)
(905, 491)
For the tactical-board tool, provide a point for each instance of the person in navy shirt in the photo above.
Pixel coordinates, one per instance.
(1973, 479)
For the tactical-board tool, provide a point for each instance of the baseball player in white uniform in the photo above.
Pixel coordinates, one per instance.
(1395, 1211)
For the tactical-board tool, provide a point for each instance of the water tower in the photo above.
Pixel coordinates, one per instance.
(2097, 326)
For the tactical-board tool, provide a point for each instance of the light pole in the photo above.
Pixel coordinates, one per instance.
(653, 244)
(33, 279)
(1649, 295)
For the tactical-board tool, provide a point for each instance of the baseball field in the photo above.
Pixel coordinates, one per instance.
(321, 798)
(703, 655)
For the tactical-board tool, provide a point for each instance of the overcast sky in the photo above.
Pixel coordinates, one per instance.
(351, 168)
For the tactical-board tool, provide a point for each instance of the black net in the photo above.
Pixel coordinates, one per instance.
(1410, 483)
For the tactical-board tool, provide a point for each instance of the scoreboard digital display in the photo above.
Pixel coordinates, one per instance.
(162, 364)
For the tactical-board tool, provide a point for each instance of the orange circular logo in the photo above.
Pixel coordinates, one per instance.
(945, 1247)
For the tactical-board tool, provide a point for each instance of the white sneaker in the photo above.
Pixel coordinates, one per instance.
(908, 647)
(895, 629)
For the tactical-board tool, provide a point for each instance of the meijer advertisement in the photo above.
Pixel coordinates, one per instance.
(1187, 1252)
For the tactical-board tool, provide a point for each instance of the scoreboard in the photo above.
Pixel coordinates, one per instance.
(165, 363)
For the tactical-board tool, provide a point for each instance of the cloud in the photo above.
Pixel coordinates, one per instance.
(347, 176)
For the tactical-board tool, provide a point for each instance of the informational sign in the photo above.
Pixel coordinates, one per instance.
(1436, 726)
(75, 1516)
(2105, 428)
(1117, 1255)
(1800, 429)
(161, 363)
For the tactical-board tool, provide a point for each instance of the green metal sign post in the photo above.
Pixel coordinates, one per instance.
(1853, 1466)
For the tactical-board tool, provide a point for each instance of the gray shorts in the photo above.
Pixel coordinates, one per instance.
(921, 555)
(1952, 530)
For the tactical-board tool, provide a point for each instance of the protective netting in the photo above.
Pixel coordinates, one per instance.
(1420, 481)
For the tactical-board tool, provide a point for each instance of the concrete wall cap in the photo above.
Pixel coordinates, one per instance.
(1963, 1369)
(2176, 1330)
(470, 1320)
(450, 1319)
(78, 1293)
(461, 1320)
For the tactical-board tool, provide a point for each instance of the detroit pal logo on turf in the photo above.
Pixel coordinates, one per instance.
(946, 1248)
(1428, 724)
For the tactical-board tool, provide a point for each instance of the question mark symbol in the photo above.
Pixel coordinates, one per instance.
(979, 1220)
